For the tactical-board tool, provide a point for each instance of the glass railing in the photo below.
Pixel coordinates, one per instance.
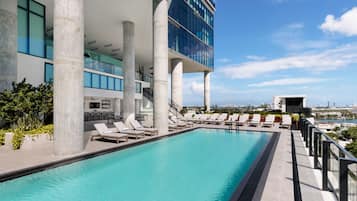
(338, 166)
(94, 60)
(102, 66)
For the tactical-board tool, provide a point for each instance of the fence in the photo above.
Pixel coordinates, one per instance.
(338, 166)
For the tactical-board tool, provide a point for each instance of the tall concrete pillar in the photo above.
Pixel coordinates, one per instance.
(8, 43)
(176, 82)
(129, 71)
(207, 96)
(68, 76)
(117, 107)
(161, 66)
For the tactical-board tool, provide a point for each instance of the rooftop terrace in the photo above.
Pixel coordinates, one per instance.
(290, 172)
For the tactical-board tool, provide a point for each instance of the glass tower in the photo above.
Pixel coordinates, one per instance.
(191, 30)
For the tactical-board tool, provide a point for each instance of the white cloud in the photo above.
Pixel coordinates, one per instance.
(255, 57)
(346, 24)
(224, 60)
(296, 25)
(197, 87)
(287, 81)
(316, 62)
(292, 38)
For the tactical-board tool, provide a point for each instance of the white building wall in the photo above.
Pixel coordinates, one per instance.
(32, 68)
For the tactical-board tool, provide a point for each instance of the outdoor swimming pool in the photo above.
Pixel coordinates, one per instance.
(202, 165)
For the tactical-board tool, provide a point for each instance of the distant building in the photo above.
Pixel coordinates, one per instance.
(289, 103)
(354, 109)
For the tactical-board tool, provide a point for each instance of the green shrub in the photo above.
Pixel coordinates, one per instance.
(295, 117)
(346, 134)
(27, 123)
(332, 135)
(353, 133)
(2, 137)
(352, 147)
(48, 129)
(26, 100)
(17, 139)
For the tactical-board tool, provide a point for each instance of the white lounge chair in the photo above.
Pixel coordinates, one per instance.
(286, 121)
(232, 119)
(188, 117)
(175, 120)
(122, 128)
(255, 121)
(172, 126)
(196, 118)
(221, 118)
(269, 120)
(243, 119)
(104, 132)
(178, 124)
(212, 118)
(137, 126)
(202, 118)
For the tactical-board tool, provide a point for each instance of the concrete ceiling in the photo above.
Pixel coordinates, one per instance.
(104, 33)
(103, 26)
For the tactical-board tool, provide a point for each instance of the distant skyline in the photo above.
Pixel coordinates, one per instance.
(265, 48)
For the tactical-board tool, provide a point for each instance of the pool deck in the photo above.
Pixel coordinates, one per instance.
(278, 186)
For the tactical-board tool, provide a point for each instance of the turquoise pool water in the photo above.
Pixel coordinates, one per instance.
(203, 165)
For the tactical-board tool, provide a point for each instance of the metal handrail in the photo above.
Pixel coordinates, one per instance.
(345, 158)
(345, 152)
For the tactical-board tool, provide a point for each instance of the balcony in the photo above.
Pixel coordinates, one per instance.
(102, 63)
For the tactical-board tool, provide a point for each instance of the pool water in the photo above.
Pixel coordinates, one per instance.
(202, 165)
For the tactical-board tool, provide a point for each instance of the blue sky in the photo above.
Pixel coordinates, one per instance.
(274, 47)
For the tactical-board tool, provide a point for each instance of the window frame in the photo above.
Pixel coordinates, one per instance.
(28, 12)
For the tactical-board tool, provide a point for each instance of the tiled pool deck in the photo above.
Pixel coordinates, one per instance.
(278, 186)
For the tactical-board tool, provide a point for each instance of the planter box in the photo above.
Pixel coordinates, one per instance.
(33, 141)
(8, 141)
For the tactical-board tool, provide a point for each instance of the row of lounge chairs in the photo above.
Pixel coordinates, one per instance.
(175, 123)
(239, 120)
(122, 132)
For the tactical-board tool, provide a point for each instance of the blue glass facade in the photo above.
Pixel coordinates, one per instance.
(191, 30)
(95, 80)
(31, 28)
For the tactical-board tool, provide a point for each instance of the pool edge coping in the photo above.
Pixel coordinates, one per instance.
(262, 164)
(72, 159)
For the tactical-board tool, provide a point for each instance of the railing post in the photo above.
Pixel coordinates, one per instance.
(303, 124)
(325, 156)
(307, 135)
(343, 180)
(320, 144)
(311, 130)
(316, 155)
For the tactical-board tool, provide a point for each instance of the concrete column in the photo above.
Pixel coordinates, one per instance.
(117, 107)
(8, 43)
(161, 66)
(207, 97)
(176, 82)
(68, 76)
(129, 71)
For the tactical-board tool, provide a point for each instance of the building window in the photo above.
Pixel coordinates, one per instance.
(31, 28)
(119, 84)
(103, 82)
(110, 83)
(48, 73)
(95, 80)
(87, 79)
(138, 87)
